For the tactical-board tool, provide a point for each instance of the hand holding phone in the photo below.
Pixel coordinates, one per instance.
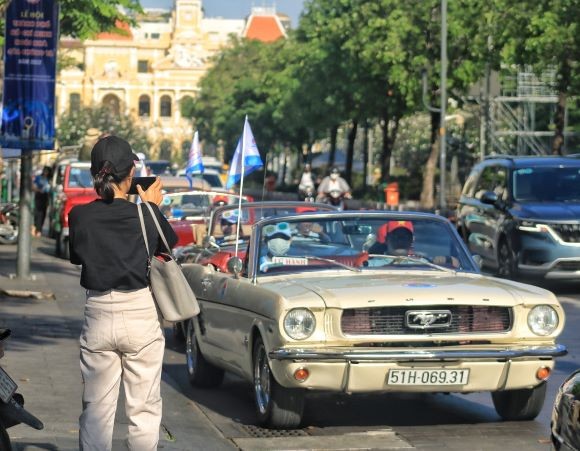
(152, 193)
(144, 182)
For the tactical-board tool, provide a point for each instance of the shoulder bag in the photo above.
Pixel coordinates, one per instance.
(170, 288)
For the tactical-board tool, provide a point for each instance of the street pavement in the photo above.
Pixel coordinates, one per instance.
(42, 356)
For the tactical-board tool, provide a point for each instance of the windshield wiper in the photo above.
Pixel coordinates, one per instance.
(418, 260)
(327, 260)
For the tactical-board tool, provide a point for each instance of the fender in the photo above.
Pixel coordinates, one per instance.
(13, 413)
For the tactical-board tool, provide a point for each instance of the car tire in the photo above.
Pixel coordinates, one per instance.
(506, 260)
(13, 237)
(4, 439)
(277, 407)
(519, 405)
(201, 373)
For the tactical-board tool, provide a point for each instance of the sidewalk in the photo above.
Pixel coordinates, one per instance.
(42, 356)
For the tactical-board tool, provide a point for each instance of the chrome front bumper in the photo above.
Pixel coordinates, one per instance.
(415, 355)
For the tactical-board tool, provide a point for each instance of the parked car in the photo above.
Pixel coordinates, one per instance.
(321, 313)
(76, 189)
(188, 212)
(522, 216)
(565, 423)
(159, 167)
(211, 176)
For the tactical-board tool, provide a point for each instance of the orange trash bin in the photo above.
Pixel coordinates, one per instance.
(392, 194)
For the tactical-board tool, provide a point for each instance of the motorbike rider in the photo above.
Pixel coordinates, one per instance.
(306, 185)
(333, 183)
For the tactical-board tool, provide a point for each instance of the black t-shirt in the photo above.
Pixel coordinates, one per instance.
(107, 240)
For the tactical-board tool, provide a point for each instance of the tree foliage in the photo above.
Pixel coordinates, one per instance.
(73, 127)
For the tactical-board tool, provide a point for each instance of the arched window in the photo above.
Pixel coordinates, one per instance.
(112, 102)
(144, 106)
(74, 102)
(165, 106)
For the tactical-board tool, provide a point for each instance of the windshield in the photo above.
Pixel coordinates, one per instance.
(80, 178)
(213, 179)
(361, 243)
(547, 184)
(180, 205)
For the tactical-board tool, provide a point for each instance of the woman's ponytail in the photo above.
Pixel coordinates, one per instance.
(105, 179)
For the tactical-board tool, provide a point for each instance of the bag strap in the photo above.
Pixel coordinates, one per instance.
(142, 221)
(161, 234)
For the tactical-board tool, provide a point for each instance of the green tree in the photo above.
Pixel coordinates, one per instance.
(545, 35)
(73, 127)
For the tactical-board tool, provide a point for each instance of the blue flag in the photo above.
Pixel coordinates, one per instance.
(246, 158)
(194, 162)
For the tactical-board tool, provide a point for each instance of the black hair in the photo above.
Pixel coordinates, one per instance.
(107, 176)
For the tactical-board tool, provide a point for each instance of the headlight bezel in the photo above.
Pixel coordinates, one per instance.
(290, 329)
(539, 329)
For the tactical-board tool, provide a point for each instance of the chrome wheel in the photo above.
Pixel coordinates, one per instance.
(262, 379)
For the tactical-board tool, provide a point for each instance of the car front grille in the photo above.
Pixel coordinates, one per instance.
(570, 233)
(465, 319)
(568, 265)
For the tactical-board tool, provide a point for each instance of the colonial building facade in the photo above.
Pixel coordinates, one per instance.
(149, 70)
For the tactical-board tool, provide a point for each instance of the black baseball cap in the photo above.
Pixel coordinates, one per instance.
(115, 150)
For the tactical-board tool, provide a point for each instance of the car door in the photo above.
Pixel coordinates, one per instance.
(481, 220)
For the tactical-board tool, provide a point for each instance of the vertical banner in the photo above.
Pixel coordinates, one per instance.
(31, 37)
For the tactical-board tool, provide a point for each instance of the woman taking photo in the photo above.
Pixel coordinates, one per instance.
(122, 338)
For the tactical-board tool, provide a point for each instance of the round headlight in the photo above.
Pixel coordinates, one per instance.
(542, 320)
(299, 323)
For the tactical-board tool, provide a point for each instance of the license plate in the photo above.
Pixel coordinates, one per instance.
(428, 377)
(7, 386)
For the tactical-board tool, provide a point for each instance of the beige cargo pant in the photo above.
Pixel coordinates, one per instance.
(121, 339)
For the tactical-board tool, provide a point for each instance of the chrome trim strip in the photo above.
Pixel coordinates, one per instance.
(416, 355)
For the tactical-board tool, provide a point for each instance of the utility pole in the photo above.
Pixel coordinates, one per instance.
(24, 242)
(443, 87)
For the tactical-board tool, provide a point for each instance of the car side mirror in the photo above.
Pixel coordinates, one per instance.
(209, 241)
(489, 197)
(478, 260)
(235, 265)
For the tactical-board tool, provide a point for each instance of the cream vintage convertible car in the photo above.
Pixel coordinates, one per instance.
(368, 302)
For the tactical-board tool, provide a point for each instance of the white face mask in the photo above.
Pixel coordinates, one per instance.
(333, 176)
(278, 246)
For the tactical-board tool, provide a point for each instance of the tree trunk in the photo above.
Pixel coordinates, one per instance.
(558, 143)
(385, 150)
(350, 151)
(332, 154)
(365, 154)
(428, 190)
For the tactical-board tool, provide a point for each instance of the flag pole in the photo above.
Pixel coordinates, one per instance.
(241, 186)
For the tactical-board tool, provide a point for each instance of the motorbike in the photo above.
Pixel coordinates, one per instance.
(9, 218)
(335, 198)
(307, 194)
(12, 411)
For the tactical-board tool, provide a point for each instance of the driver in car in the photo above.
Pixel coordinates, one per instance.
(397, 237)
(228, 225)
(277, 238)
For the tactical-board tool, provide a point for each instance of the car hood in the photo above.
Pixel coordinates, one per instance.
(418, 288)
(552, 211)
(81, 198)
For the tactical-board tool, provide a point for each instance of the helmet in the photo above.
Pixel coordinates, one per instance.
(334, 170)
(391, 226)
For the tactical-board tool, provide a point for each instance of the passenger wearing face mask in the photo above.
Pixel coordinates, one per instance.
(333, 185)
(277, 238)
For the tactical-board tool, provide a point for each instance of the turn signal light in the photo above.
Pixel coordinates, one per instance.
(543, 373)
(301, 374)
